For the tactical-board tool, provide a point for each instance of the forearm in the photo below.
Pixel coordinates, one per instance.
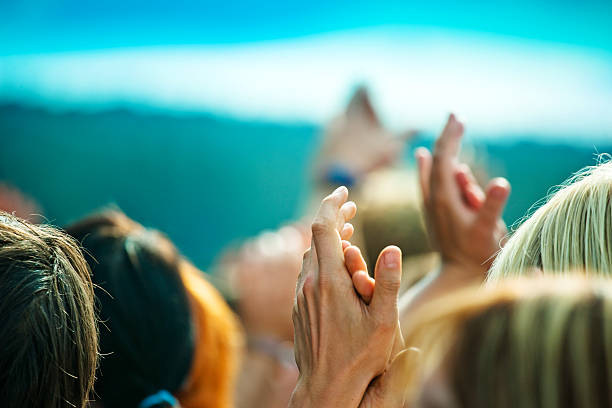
(436, 284)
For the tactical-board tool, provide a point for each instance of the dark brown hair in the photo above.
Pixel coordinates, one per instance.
(48, 331)
(146, 329)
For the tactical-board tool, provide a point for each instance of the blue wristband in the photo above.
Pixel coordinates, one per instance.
(339, 175)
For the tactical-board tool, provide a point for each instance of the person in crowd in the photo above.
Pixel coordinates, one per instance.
(48, 330)
(540, 342)
(568, 233)
(464, 222)
(14, 201)
(167, 336)
(262, 272)
(571, 231)
(390, 212)
(356, 143)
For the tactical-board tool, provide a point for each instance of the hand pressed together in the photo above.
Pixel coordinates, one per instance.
(345, 346)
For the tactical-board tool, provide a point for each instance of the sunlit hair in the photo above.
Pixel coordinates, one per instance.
(543, 343)
(48, 331)
(163, 327)
(572, 231)
(390, 213)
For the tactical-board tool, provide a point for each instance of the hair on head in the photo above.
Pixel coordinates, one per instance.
(146, 333)
(571, 231)
(48, 331)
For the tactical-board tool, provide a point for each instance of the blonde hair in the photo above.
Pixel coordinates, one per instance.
(524, 343)
(572, 231)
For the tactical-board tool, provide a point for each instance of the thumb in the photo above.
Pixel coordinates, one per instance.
(387, 276)
(495, 201)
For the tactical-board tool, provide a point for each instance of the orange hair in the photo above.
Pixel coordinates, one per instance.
(218, 339)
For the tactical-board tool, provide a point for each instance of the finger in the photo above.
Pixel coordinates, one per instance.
(447, 145)
(470, 190)
(354, 261)
(387, 275)
(364, 285)
(345, 244)
(325, 236)
(445, 152)
(423, 157)
(347, 231)
(497, 194)
(348, 211)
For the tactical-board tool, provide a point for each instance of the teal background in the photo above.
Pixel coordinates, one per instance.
(209, 181)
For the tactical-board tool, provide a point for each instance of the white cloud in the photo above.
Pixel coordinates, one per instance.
(500, 85)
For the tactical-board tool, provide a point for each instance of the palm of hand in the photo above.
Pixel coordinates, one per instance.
(263, 273)
(357, 142)
(465, 222)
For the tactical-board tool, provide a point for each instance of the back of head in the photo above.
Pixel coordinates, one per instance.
(390, 213)
(572, 231)
(534, 343)
(146, 333)
(48, 333)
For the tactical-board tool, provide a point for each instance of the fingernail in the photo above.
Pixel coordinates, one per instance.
(498, 192)
(339, 189)
(501, 188)
(390, 260)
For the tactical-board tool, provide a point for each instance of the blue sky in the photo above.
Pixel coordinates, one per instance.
(32, 26)
(522, 67)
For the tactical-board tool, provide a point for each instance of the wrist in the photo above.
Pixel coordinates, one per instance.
(320, 391)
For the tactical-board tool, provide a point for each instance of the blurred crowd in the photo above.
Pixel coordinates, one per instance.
(411, 294)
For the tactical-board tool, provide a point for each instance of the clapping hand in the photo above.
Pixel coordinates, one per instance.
(345, 347)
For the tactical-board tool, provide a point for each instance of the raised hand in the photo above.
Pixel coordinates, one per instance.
(357, 143)
(464, 222)
(341, 342)
(263, 273)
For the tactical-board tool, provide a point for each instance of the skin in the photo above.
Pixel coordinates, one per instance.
(346, 349)
(264, 271)
(14, 201)
(358, 142)
(464, 221)
(458, 212)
